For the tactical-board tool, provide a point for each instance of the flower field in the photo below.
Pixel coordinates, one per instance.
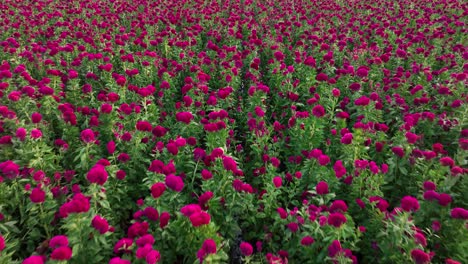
(233, 131)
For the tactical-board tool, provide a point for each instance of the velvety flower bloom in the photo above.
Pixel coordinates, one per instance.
(37, 195)
(100, 224)
(118, 260)
(120, 174)
(21, 133)
(323, 160)
(307, 241)
(159, 131)
(334, 248)
(164, 219)
(362, 72)
(123, 245)
(79, 204)
(420, 257)
(61, 253)
(208, 247)
(282, 213)
(87, 136)
(229, 163)
(318, 111)
(143, 251)
(338, 206)
(58, 241)
(411, 138)
(447, 161)
(123, 157)
(321, 188)
(278, 181)
(409, 203)
(172, 148)
(145, 239)
(144, 126)
(444, 199)
(138, 229)
(347, 139)
(246, 248)
(339, 169)
(336, 219)
(459, 213)
(97, 174)
(110, 147)
(399, 151)
(321, 77)
(2, 243)
(451, 261)
(36, 133)
(362, 101)
(157, 189)
(153, 257)
(9, 169)
(200, 218)
(34, 260)
(184, 117)
(420, 239)
(429, 186)
(36, 117)
(174, 182)
(430, 195)
(206, 174)
(190, 209)
(152, 213)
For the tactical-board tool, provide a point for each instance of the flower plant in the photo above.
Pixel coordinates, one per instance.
(233, 131)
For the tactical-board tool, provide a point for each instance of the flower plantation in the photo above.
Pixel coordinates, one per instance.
(233, 131)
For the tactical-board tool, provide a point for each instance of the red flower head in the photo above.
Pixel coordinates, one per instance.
(246, 249)
(409, 203)
(61, 253)
(58, 241)
(87, 136)
(174, 182)
(200, 218)
(184, 117)
(157, 189)
(100, 224)
(97, 174)
(420, 257)
(321, 188)
(37, 195)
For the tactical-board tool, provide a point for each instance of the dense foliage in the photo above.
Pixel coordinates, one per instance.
(233, 131)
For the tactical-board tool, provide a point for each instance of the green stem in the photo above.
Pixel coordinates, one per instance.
(43, 217)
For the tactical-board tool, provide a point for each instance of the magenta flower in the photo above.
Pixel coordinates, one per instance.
(336, 219)
(87, 136)
(307, 241)
(459, 213)
(37, 195)
(97, 174)
(34, 260)
(61, 253)
(100, 224)
(321, 188)
(409, 204)
(174, 182)
(277, 181)
(246, 248)
(420, 257)
(184, 117)
(200, 218)
(2, 243)
(157, 189)
(58, 241)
